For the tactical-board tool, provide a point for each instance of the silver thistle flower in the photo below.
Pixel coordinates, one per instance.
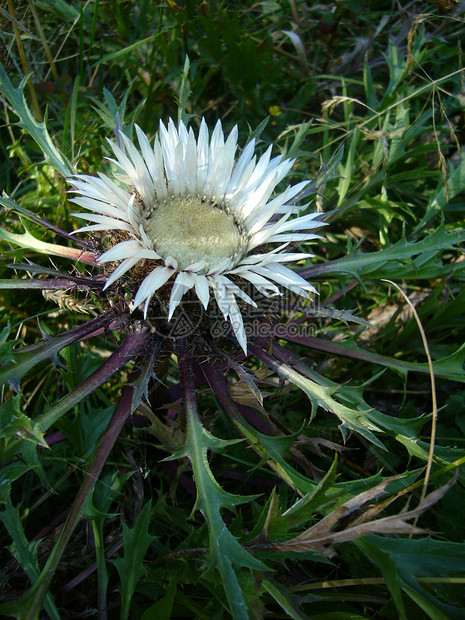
(198, 216)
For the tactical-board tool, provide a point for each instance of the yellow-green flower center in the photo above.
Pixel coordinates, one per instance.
(192, 229)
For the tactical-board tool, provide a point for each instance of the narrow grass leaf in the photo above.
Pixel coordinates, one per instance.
(25, 553)
(130, 567)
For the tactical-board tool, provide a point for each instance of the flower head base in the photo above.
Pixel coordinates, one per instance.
(198, 218)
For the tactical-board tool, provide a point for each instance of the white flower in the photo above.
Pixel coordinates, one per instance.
(196, 215)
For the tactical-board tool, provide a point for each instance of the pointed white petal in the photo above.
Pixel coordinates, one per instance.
(149, 254)
(91, 228)
(97, 206)
(305, 222)
(105, 223)
(195, 267)
(202, 289)
(235, 318)
(184, 281)
(293, 237)
(260, 282)
(272, 257)
(121, 250)
(230, 286)
(288, 278)
(121, 270)
(241, 165)
(221, 295)
(256, 200)
(152, 283)
(159, 171)
(262, 236)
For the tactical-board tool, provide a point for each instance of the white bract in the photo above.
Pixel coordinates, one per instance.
(198, 216)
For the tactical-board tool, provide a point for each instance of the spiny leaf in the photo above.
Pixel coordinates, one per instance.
(225, 550)
(346, 316)
(25, 359)
(27, 240)
(450, 367)
(305, 508)
(10, 204)
(14, 423)
(322, 396)
(353, 396)
(37, 131)
(198, 442)
(371, 263)
(420, 449)
(272, 449)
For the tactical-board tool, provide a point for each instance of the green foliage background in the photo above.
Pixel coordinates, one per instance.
(368, 96)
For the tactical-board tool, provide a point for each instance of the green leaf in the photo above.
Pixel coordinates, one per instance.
(440, 198)
(376, 264)
(95, 508)
(14, 423)
(130, 567)
(84, 430)
(284, 599)
(353, 397)
(294, 150)
(6, 346)
(449, 367)
(25, 359)
(25, 552)
(107, 489)
(425, 558)
(163, 607)
(428, 607)
(305, 508)
(346, 170)
(125, 50)
(357, 420)
(225, 550)
(397, 69)
(420, 449)
(37, 131)
(346, 316)
(184, 93)
(27, 240)
(8, 474)
(388, 570)
(273, 449)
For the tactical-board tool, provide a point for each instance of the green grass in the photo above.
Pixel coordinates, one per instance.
(369, 100)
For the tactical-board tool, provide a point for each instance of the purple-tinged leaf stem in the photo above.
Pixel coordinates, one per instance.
(34, 599)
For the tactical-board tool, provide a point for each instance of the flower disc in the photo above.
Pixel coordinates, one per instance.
(194, 229)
